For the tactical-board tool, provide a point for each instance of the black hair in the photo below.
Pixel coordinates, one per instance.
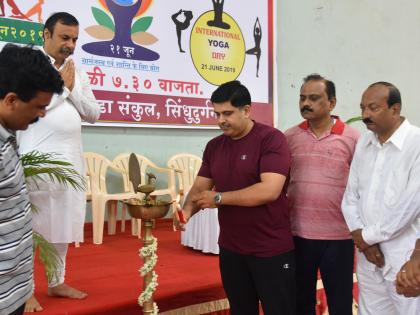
(329, 85)
(233, 92)
(62, 17)
(394, 95)
(26, 71)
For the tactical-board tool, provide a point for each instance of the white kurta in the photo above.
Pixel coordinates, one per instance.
(61, 209)
(383, 199)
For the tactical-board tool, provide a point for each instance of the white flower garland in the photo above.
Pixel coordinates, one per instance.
(149, 251)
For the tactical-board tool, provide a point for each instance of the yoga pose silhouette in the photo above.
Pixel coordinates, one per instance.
(16, 13)
(181, 25)
(218, 15)
(36, 10)
(257, 38)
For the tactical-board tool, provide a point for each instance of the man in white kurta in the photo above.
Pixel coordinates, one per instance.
(61, 212)
(381, 201)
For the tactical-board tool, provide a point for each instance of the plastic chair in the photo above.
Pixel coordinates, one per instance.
(186, 166)
(120, 162)
(88, 193)
(97, 166)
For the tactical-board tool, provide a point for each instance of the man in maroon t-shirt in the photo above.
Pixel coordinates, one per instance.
(247, 167)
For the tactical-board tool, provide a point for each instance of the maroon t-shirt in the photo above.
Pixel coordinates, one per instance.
(235, 164)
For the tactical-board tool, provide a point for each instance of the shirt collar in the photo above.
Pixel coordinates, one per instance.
(52, 59)
(397, 137)
(6, 134)
(337, 128)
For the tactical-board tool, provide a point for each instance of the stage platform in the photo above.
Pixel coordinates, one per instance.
(189, 281)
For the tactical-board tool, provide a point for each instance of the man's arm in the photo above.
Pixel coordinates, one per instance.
(190, 207)
(350, 203)
(400, 215)
(266, 191)
(83, 99)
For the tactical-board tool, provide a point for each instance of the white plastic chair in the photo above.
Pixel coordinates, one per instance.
(120, 162)
(97, 166)
(186, 166)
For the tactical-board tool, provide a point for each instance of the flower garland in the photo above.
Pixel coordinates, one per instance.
(150, 252)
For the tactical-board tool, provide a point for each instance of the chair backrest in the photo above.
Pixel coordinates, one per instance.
(88, 188)
(96, 167)
(189, 165)
(120, 162)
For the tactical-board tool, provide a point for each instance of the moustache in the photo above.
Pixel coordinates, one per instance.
(367, 121)
(306, 108)
(66, 51)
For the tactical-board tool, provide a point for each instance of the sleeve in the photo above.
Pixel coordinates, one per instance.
(205, 170)
(350, 203)
(400, 214)
(83, 99)
(275, 154)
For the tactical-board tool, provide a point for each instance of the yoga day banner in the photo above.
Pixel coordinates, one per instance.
(155, 63)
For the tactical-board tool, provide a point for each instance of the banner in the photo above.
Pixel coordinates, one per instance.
(155, 63)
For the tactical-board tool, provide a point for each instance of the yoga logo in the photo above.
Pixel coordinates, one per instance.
(121, 38)
(217, 46)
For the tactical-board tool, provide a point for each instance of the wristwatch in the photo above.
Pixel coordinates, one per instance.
(218, 199)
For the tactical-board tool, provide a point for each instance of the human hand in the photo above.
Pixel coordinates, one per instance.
(358, 240)
(374, 255)
(180, 219)
(408, 279)
(205, 199)
(67, 74)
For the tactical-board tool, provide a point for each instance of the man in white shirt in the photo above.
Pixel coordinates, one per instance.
(381, 201)
(61, 212)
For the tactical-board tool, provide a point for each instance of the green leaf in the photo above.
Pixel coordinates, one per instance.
(35, 164)
(48, 256)
(353, 119)
(103, 19)
(142, 24)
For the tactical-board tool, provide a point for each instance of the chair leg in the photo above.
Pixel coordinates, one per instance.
(134, 226)
(112, 216)
(138, 228)
(98, 218)
(123, 213)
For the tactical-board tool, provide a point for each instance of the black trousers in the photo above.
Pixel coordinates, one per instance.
(18, 311)
(334, 259)
(249, 279)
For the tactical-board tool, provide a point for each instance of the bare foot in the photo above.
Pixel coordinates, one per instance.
(32, 305)
(63, 290)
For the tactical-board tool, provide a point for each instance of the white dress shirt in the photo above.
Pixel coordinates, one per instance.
(383, 193)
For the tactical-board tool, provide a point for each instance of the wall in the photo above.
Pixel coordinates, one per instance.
(156, 144)
(352, 42)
